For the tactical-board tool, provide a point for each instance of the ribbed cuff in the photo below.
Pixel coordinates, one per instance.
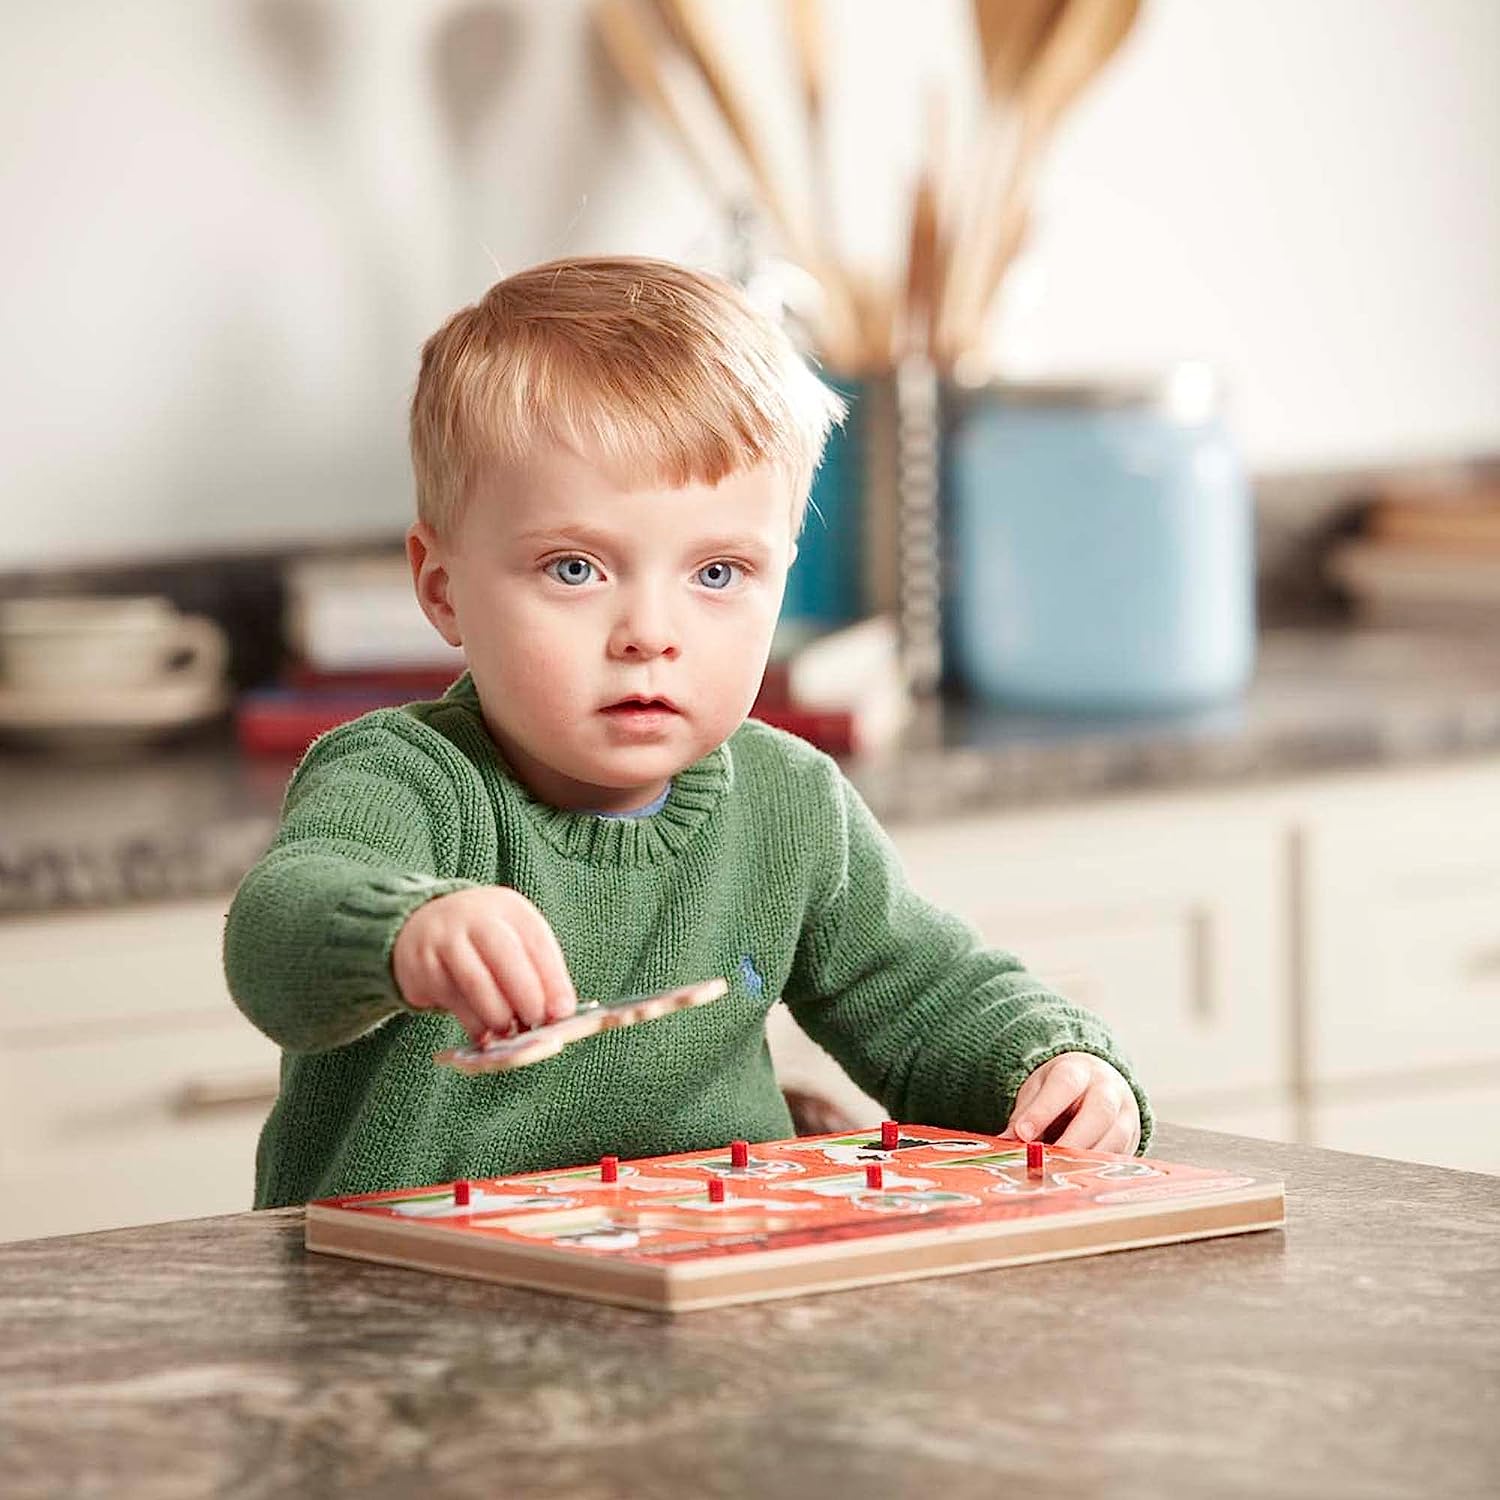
(366, 922)
(1042, 1055)
(971, 1081)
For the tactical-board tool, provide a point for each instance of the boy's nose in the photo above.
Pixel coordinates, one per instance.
(643, 635)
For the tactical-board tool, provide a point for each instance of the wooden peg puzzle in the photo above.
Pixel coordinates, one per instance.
(783, 1218)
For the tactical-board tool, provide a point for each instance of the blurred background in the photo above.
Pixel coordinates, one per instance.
(1151, 591)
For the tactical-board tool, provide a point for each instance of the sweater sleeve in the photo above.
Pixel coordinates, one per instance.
(923, 1016)
(369, 831)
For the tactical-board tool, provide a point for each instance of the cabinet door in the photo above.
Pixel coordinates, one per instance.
(1163, 918)
(60, 972)
(131, 1090)
(1401, 895)
(1265, 1117)
(1452, 1124)
(148, 1124)
(802, 1064)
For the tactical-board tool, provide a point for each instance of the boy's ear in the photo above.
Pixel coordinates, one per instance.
(429, 577)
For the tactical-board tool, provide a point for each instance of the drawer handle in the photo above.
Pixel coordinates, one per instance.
(1203, 999)
(202, 1096)
(1485, 964)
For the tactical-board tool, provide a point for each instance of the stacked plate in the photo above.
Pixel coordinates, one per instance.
(87, 672)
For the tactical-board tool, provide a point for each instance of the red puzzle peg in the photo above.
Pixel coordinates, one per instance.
(739, 1153)
(461, 1194)
(890, 1135)
(874, 1175)
(715, 1189)
(609, 1169)
(1034, 1158)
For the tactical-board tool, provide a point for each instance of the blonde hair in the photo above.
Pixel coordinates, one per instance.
(646, 367)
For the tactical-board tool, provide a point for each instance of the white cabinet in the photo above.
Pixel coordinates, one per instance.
(1168, 917)
(1165, 918)
(131, 1090)
(1401, 899)
(1448, 1122)
(1398, 887)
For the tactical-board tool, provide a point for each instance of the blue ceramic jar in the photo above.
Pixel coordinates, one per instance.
(1099, 545)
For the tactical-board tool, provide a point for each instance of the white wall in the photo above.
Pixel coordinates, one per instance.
(226, 227)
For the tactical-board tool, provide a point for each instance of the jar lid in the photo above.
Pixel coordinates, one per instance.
(1188, 392)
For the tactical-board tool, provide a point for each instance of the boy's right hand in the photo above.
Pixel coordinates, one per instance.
(488, 957)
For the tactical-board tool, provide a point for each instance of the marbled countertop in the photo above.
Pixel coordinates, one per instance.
(1321, 701)
(1356, 1353)
(189, 820)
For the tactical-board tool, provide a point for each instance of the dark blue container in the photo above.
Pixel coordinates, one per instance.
(825, 586)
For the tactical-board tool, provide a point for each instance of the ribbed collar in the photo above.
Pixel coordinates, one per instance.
(695, 792)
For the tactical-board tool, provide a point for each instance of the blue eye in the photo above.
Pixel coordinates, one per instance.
(572, 571)
(717, 575)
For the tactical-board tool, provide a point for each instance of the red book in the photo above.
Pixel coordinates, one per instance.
(832, 729)
(867, 726)
(285, 721)
(414, 682)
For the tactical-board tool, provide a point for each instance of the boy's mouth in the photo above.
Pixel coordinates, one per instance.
(640, 706)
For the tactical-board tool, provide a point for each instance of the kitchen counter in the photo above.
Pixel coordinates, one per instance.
(1355, 1353)
(191, 819)
(1321, 701)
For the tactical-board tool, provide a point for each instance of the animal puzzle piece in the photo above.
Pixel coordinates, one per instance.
(501, 1054)
(857, 1150)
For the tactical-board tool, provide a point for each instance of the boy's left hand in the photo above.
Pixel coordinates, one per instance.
(1077, 1099)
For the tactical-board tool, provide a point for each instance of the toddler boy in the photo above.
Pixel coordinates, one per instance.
(612, 460)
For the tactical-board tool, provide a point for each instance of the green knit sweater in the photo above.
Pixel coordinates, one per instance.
(764, 866)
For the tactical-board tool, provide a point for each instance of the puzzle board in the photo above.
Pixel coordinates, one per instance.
(800, 1216)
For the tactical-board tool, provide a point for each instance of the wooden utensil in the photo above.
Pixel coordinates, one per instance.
(688, 26)
(919, 301)
(810, 53)
(1084, 37)
(805, 25)
(925, 250)
(624, 31)
(1010, 35)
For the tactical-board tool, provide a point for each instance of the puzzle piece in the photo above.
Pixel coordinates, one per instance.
(501, 1054)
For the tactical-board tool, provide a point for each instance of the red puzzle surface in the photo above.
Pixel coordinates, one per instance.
(809, 1191)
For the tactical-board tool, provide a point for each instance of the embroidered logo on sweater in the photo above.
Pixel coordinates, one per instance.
(751, 980)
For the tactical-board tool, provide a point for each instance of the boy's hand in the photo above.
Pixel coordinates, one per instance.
(486, 955)
(1077, 1099)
